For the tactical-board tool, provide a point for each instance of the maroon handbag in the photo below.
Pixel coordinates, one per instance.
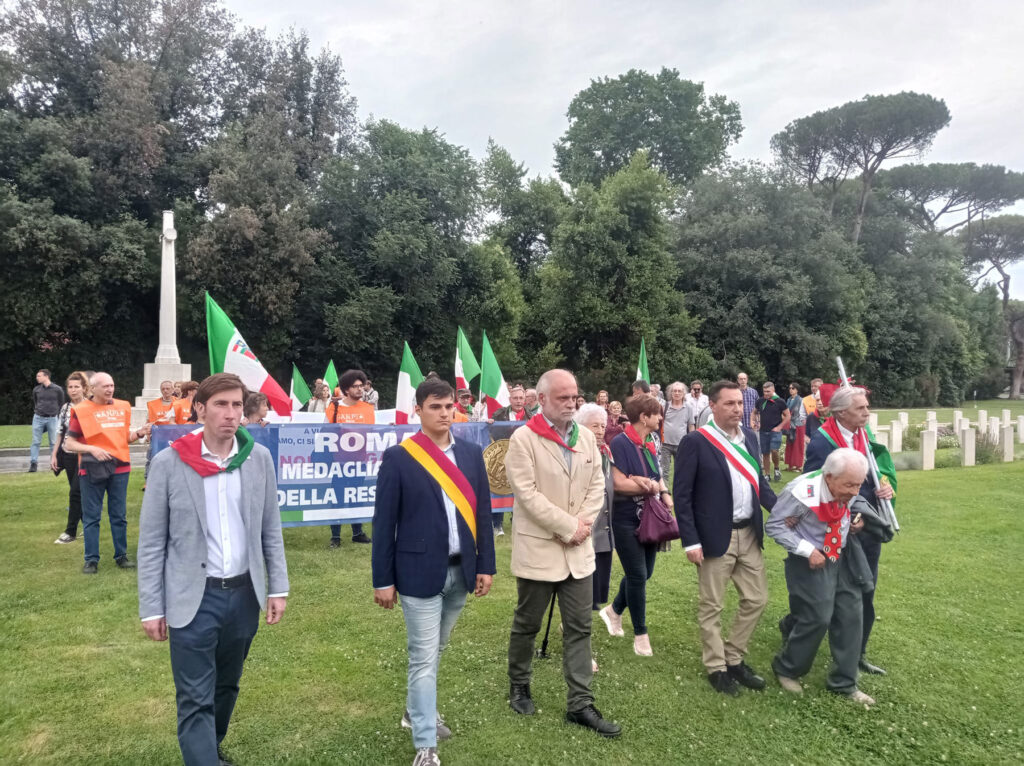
(657, 522)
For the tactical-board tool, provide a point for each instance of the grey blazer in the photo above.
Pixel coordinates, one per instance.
(172, 536)
(602, 535)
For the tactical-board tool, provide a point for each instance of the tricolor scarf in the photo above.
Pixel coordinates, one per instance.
(606, 456)
(831, 430)
(539, 425)
(440, 467)
(190, 449)
(808, 490)
(764, 402)
(651, 452)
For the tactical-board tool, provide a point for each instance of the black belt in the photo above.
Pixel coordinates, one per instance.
(228, 583)
(741, 524)
(455, 561)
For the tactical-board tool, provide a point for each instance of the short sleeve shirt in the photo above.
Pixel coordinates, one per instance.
(771, 412)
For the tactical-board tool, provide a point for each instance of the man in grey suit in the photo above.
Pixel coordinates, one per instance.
(209, 544)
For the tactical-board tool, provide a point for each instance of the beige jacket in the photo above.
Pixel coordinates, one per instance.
(548, 503)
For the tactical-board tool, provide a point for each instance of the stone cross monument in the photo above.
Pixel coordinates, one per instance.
(167, 365)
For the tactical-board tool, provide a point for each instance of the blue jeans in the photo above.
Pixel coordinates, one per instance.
(40, 424)
(116, 489)
(428, 623)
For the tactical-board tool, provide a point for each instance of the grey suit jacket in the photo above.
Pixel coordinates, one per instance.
(172, 536)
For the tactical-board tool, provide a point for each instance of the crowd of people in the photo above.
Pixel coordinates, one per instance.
(590, 481)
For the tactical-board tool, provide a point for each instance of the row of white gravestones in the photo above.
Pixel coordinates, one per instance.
(968, 440)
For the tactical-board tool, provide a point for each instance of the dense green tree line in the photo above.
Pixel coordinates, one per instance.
(326, 237)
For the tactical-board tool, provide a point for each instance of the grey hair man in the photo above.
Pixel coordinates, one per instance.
(554, 468)
(850, 411)
(819, 519)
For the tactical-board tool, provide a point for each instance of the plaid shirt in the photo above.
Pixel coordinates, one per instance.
(750, 397)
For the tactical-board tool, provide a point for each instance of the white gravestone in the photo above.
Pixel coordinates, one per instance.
(1006, 418)
(897, 437)
(1007, 444)
(994, 428)
(904, 419)
(958, 415)
(1020, 428)
(967, 445)
(929, 440)
(873, 421)
(882, 437)
(982, 422)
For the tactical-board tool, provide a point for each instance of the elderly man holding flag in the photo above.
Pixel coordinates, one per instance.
(846, 427)
(827, 573)
(433, 499)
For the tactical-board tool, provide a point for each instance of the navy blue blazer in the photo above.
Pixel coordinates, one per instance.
(818, 448)
(702, 492)
(410, 526)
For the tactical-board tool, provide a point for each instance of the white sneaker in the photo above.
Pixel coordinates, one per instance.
(426, 756)
(499, 532)
(860, 697)
(443, 732)
(612, 621)
(64, 539)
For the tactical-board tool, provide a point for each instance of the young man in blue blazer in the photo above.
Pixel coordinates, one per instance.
(719, 491)
(432, 544)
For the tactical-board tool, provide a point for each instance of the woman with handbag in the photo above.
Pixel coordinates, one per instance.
(637, 481)
(77, 386)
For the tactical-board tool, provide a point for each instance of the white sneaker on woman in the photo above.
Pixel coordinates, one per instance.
(612, 621)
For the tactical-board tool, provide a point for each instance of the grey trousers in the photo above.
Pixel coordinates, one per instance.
(575, 597)
(821, 601)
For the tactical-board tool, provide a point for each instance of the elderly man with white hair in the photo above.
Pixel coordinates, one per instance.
(845, 427)
(824, 575)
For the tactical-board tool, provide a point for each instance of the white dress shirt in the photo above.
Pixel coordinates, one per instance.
(454, 544)
(227, 554)
(742, 498)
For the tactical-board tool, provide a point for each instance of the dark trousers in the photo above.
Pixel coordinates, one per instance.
(497, 520)
(638, 566)
(206, 661)
(357, 529)
(574, 601)
(872, 551)
(69, 460)
(821, 601)
(602, 577)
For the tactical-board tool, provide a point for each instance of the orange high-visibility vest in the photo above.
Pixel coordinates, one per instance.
(160, 412)
(458, 417)
(106, 426)
(182, 411)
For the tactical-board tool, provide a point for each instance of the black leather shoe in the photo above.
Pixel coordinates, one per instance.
(361, 538)
(591, 718)
(91, 567)
(744, 675)
(223, 759)
(867, 667)
(32, 468)
(519, 699)
(125, 563)
(722, 682)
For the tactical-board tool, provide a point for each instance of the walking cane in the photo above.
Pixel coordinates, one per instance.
(542, 653)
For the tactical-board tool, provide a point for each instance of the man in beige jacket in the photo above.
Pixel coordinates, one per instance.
(554, 467)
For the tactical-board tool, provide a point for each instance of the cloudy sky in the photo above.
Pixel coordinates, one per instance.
(502, 69)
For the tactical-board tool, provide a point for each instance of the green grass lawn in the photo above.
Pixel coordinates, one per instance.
(81, 684)
(17, 436)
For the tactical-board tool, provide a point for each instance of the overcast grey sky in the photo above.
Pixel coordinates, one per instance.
(507, 70)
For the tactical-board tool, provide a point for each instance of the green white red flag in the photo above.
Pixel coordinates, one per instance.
(409, 376)
(331, 378)
(230, 353)
(466, 366)
(299, 393)
(641, 365)
(493, 389)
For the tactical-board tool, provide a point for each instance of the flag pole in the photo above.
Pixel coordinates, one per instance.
(876, 476)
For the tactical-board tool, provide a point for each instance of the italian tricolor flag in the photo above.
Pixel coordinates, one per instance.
(300, 391)
(641, 365)
(409, 376)
(493, 389)
(230, 353)
(466, 366)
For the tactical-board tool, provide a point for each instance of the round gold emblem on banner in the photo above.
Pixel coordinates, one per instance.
(494, 461)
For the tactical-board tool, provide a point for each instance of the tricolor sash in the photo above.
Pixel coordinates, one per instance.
(453, 482)
(735, 455)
